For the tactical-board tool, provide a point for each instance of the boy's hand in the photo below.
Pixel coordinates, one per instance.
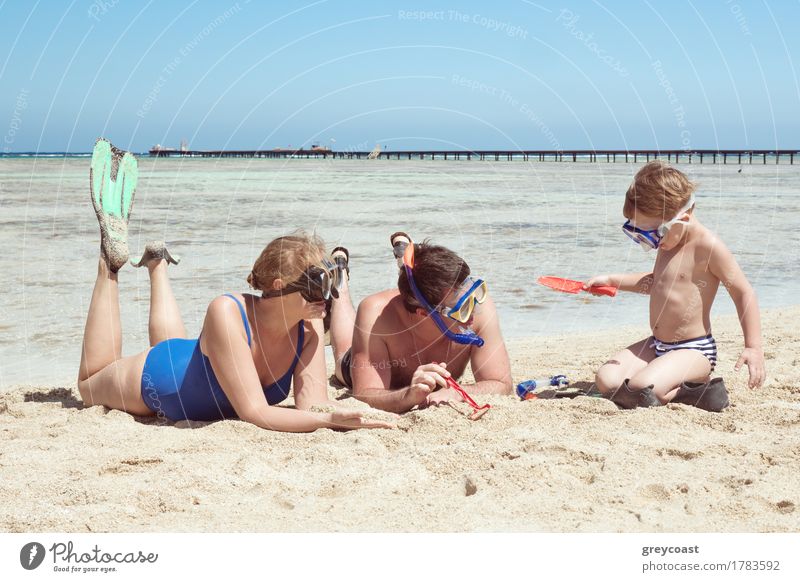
(596, 281)
(754, 358)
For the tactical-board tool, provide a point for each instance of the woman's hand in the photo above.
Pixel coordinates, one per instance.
(314, 310)
(344, 419)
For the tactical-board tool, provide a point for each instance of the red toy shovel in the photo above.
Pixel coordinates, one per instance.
(570, 286)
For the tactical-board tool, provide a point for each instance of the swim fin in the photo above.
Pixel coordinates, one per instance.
(156, 249)
(112, 182)
(626, 397)
(711, 396)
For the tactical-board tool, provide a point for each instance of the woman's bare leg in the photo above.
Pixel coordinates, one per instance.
(165, 317)
(343, 321)
(118, 386)
(102, 337)
(105, 377)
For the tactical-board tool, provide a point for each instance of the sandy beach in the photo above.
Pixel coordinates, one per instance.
(547, 465)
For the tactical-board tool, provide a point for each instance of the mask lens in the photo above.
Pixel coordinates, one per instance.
(475, 292)
(316, 285)
(466, 310)
(481, 292)
(640, 238)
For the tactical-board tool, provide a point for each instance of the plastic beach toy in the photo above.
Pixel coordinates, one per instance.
(478, 410)
(570, 286)
(527, 390)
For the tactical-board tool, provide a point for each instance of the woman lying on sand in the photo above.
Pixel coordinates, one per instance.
(236, 368)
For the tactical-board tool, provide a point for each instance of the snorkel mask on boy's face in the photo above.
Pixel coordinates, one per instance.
(471, 292)
(651, 239)
(315, 284)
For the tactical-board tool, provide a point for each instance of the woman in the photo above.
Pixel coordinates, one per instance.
(251, 349)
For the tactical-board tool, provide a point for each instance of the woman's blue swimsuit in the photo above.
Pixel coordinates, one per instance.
(179, 383)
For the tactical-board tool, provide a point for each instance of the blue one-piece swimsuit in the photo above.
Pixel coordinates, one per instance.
(179, 383)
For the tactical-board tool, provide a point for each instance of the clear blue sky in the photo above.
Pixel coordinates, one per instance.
(404, 74)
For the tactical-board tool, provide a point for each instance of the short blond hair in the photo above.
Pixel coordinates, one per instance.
(286, 258)
(658, 190)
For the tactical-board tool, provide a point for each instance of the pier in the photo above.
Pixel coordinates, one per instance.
(700, 156)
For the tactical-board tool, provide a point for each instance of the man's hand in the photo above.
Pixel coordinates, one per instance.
(426, 379)
(754, 358)
(442, 396)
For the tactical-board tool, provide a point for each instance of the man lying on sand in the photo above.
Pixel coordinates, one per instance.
(675, 363)
(403, 343)
(251, 349)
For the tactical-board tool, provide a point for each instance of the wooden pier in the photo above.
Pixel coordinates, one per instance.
(592, 156)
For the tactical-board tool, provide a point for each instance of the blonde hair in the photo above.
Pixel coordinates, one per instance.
(286, 258)
(658, 190)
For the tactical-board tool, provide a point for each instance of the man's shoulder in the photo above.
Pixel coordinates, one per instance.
(378, 301)
(381, 305)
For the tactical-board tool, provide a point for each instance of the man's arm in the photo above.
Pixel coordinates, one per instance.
(490, 364)
(372, 367)
(723, 265)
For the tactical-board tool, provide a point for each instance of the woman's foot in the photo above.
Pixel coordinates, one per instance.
(400, 241)
(156, 251)
(340, 257)
(112, 181)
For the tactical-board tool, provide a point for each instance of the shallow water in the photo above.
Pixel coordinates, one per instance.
(512, 222)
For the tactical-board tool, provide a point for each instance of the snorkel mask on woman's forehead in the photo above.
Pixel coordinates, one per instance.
(462, 311)
(651, 239)
(315, 284)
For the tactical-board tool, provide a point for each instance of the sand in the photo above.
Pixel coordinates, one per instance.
(558, 465)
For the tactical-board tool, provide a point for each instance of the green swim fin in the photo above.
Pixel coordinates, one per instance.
(112, 180)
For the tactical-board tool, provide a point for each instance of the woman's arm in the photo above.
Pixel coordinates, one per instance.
(232, 362)
(310, 375)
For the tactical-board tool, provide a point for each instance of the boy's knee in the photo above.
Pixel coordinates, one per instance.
(640, 381)
(85, 392)
(608, 378)
(644, 380)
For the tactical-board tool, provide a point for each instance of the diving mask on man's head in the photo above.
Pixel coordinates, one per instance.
(317, 283)
(651, 239)
(474, 292)
(471, 293)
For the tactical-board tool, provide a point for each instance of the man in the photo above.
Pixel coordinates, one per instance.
(403, 343)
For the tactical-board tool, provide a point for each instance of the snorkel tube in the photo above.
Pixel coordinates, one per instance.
(467, 336)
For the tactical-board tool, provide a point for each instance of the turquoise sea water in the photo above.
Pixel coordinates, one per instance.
(511, 221)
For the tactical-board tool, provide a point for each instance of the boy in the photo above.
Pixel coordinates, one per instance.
(674, 364)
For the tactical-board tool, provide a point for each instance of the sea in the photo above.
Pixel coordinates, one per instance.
(512, 221)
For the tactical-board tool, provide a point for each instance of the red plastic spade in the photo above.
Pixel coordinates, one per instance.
(570, 286)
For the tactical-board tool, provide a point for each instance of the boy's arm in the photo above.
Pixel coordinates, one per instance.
(723, 265)
(634, 282)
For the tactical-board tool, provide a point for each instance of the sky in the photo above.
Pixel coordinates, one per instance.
(515, 74)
